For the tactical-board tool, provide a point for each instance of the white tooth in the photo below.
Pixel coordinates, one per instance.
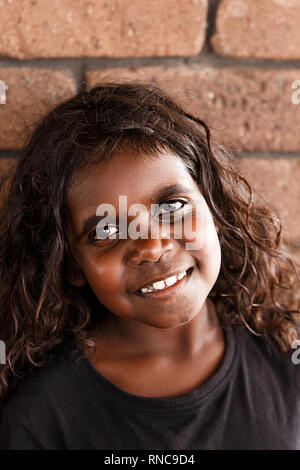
(158, 285)
(171, 280)
(144, 289)
(181, 275)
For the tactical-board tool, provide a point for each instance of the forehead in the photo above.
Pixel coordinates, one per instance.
(134, 176)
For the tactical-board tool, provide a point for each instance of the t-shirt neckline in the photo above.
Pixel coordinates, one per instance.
(194, 398)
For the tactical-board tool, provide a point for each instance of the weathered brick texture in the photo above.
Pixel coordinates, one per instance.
(276, 180)
(101, 28)
(266, 29)
(30, 93)
(7, 166)
(248, 108)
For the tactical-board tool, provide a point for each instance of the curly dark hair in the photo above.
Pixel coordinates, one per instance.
(40, 309)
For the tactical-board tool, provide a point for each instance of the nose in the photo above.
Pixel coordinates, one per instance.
(155, 243)
(150, 250)
(152, 247)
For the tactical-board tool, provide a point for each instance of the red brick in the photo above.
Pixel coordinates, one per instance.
(7, 166)
(102, 28)
(30, 92)
(247, 108)
(277, 182)
(266, 29)
(5, 163)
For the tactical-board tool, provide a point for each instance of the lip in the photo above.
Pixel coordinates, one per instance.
(161, 276)
(168, 291)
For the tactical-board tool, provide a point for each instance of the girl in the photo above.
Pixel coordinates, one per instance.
(142, 342)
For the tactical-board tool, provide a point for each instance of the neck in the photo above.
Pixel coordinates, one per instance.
(123, 338)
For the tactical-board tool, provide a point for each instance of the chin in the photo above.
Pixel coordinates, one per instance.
(168, 322)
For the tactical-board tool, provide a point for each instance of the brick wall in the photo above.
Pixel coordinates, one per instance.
(232, 62)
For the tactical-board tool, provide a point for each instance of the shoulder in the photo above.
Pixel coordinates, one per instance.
(39, 399)
(263, 359)
(44, 382)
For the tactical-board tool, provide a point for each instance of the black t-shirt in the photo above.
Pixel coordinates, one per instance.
(251, 402)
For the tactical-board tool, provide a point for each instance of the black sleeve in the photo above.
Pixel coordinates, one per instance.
(15, 436)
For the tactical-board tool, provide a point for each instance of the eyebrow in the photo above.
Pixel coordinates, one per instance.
(157, 198)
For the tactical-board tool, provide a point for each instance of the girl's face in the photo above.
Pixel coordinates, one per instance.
(116, 268)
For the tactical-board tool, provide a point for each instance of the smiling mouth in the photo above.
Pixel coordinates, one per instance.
(166, 291)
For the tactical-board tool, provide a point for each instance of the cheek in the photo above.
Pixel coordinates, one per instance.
(203, 243)
(211, 255)
(104, 276)
(198, 228)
